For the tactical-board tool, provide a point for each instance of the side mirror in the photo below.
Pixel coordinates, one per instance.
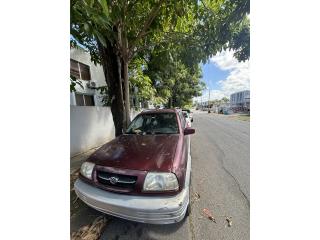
(188, 131)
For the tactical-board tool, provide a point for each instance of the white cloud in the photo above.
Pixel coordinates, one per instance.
(214, 94)
(238, 78)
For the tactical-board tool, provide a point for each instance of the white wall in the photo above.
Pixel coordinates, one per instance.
(90, 127)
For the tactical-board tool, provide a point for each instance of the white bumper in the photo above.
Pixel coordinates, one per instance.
(146, 209)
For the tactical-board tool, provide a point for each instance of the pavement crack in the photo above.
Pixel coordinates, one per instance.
(220, 159)
(238, 184)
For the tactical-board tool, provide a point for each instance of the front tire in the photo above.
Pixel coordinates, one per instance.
(188, 212)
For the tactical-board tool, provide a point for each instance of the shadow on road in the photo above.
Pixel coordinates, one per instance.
(121, 229)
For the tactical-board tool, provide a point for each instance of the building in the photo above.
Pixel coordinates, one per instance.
(90, 76)
(240, 101)
(91, 123)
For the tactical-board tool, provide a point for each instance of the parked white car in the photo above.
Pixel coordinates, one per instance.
(187, 117)
(190, 113)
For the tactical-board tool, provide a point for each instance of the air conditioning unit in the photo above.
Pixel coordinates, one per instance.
(91, 84)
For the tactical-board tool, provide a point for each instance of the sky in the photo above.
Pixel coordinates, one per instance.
(223, 75)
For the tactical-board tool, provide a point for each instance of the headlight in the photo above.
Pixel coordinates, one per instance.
(86, 169)
(160, 182)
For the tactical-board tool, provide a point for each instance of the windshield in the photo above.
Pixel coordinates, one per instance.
(154, 123)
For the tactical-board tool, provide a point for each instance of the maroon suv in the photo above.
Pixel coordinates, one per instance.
(144, 174)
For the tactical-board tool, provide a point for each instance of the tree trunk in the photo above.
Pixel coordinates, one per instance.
(126, 92)
(112, 75)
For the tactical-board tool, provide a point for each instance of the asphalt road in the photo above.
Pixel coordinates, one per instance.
(220, 175)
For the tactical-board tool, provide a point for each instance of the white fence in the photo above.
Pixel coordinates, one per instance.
(90, 127)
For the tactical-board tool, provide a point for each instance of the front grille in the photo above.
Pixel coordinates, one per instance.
(114, 180)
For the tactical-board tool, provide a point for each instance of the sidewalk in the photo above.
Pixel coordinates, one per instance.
(83, 219)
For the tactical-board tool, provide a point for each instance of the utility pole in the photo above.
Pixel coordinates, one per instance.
(208, 99)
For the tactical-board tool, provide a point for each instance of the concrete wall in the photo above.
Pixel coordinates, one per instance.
(90, 127)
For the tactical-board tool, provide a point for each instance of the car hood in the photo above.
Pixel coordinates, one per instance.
(138, 152)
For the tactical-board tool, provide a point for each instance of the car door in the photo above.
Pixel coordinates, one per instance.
(186, 141)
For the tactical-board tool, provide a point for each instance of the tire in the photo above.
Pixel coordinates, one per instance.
(188, 212)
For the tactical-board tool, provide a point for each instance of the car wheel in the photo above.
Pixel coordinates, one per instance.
(188, 212)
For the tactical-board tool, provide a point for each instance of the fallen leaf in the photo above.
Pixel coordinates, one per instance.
(208, 214)
(229, 221)
(92, 231)
(75, 200)
(73, 178)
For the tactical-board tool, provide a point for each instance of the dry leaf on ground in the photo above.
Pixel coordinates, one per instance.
(74, 176)
(196, 197)
(229, 221)
(75, 200)
(208, 214)
(90, 232)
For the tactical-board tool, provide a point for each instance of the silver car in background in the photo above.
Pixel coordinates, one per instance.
(187, 117)
(189, 113)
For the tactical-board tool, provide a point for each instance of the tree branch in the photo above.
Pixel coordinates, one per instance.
(131, 4)
(147, 23)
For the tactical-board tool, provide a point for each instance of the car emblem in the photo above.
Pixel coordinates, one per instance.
(114, 180)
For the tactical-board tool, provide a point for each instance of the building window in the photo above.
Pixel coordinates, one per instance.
(79, 70)
(84, 100)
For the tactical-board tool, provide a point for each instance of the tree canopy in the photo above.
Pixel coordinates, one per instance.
(157, 45)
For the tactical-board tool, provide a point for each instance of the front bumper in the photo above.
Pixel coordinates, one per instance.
(145, 209)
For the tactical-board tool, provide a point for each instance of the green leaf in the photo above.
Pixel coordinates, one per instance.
(72, 87)
(104, 6)
(86, 27)
(100, 38)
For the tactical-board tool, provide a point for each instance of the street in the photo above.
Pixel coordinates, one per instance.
(220, 176)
